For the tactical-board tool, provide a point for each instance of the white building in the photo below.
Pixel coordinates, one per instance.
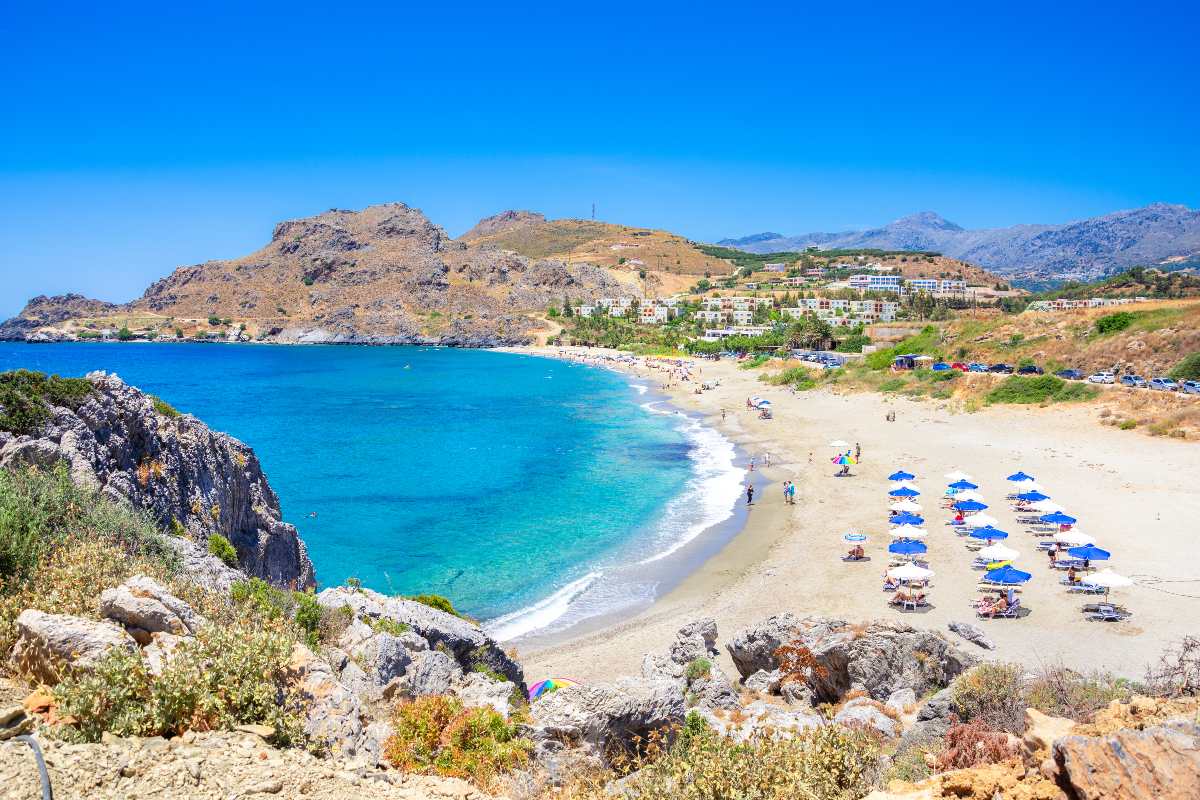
(875, 283)
(778, 267)
(585, 311)
(844, 313)
(935, 285)
(717, 334)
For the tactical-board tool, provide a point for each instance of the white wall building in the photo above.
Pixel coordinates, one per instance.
(875, 283)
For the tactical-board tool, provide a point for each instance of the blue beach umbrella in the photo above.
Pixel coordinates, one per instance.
(907, 547)
(901, 476)
(1089, 552)
(1007, 575)
(903, 491)
(855, 537)
(970, 505)
(988, 532)
(963, 485)
(1032, 497)
(1058, 518)
(1017, 477)
(905, 518)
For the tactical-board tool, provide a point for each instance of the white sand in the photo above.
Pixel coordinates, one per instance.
(1138, 496)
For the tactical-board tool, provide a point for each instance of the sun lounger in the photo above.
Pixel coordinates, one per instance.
(1107, 613)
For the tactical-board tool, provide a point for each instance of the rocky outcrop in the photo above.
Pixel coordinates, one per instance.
(505, 220)
(972, 634)
(186, 476)
(50, 645)
(43, 311)
(1161, 761)
(690, 663)
(141, 603)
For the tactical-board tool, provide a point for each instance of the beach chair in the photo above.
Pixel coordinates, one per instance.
(1012, 610)
(1106, 613)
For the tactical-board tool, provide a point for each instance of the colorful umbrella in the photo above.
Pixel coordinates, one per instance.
(963, 484)
(855, 537)
(549, 685)
(901, 476)
(1019, 477)
(844, 460)
(1009, 576)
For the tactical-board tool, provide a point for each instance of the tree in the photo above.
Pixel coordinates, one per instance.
(567, 311)
(809, 332)
(124, 334)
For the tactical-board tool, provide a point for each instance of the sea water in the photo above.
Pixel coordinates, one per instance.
(534, 493)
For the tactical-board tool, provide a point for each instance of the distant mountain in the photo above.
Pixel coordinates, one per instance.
(1082, 251)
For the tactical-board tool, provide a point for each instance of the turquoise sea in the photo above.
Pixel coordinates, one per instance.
(535, 493)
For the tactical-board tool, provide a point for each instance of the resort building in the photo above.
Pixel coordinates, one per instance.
(844, 313)
(875, 283)
(655, 313)
(1095, 302)
(717, 334)
(616, 306)
(736, 303)
(585, 311)
(935, 286)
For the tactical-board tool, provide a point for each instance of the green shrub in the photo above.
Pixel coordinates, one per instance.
(164, 408)
(1188, 369)
(436, 601)
(1040, 389)
(256, 595)
(927, 342)
(220, 547)
(754, 363)
(1112, 323)
(386, 625)
(799, 378)
(438, 735)
(893, 385)
(214, 320)
(854, 343)
(226, 676)
(334, 622)
(177, 528)
(1127, 424)
(699, 668)
(992, 693)
(124, 335)
(308, 617)
(25, 397)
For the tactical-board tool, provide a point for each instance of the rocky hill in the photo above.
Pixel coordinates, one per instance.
(385, 274)
(1082, 250)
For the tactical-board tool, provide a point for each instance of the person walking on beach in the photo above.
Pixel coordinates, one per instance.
(749, 494)
(722, 415)
(857, 452)
(766, 459)
(752, 463)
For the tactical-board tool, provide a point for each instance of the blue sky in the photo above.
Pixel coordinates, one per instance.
(138, 138)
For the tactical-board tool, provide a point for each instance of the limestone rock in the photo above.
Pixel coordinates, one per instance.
(763, 681)
(901, 699)
(713, 691)
(431, 672)
(972, 634)
(1041, 730)
(48, 643)
(478, 690)
(762, 718)
(333, 714)
(753, 649)
(864, 713)
(1161, 761)
(160, 650)
(141, 602)
(796, 693)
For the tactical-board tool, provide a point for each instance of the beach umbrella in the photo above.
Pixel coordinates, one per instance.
(844, 460)
(907, 532)
(963, 484)
(970, 505)
(1008, 576)
(901, 476)
(905, 505)
(1089, 552)
(1073, 538)
(907, 547)
(1058, 518)
(998, 552)
(910, 572)
(983, 520)
(549, 685)
(855, 537)
(988, 532)
(1047, 506)
(905, 518)
(957, 476)
(1032, 497)
(839, 444)
(1019, 477)
(1107, 580)
(968, 494)
(903, 491)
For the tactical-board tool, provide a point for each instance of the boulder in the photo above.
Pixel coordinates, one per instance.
(603, 717)
(753, 649)
(763, 681)
(49, 644)
(431, 672)
(142, 602)
(796, 693)
(1041, 730)
(161, 649)
(863, 713)
(972, 634)
(695, 640)
(476, 689)
(762, 718)
(901, 699)
(1160, 761)
(713, 691)
(333, 716)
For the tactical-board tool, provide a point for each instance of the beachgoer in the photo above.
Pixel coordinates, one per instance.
(722, 415)
(1072, 576)
(1053, 558)
(767, 459)
(749, 493)
(791, 492)
(752, 463)
(857, 451)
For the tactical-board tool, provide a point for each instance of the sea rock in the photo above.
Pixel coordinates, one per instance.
(141, 602)
(478, 690)
(762, 718)
(178, 470)
(333, 715)
(49, 643)
(972, 634)
(598, 718)
(863, 713)
(1161, 761)
(464, 641)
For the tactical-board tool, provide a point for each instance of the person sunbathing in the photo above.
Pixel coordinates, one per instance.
(890, 583)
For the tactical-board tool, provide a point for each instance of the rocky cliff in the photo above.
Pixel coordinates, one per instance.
(188, 477)
(382, 275)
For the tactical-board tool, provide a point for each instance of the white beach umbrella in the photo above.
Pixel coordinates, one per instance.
(1047, 506)
(998, 552)
(1073, 538)
(838, 443)
(1108, 579)
(968, 494)
(958, 476)
(910, 572)
(905, 505)
(908, 532)
(980, 520)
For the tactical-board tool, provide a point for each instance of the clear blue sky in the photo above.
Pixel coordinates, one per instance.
(137, 138)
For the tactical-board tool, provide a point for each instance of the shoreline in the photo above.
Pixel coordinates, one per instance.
(787, 559)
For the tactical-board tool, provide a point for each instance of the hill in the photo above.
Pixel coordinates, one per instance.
(1082, 250)
(385, 274)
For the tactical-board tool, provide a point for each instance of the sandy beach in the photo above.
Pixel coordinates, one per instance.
(1138, 496)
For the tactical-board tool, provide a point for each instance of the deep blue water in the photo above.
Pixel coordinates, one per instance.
(508, 483)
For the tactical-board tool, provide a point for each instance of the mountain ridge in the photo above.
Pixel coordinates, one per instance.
(1081, 250)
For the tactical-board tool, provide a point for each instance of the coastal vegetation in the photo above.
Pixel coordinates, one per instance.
(26, 397)
(1040, 389)
(223, 549)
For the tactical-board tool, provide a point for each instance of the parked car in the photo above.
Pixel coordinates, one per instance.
(940, 366)
(1102, 377)
(1190, 387)
(1030, 369)
(976, 367)
(1163, 384)
(1136, 381)
(1070, 374)
(1001, 369)
(960, 366)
